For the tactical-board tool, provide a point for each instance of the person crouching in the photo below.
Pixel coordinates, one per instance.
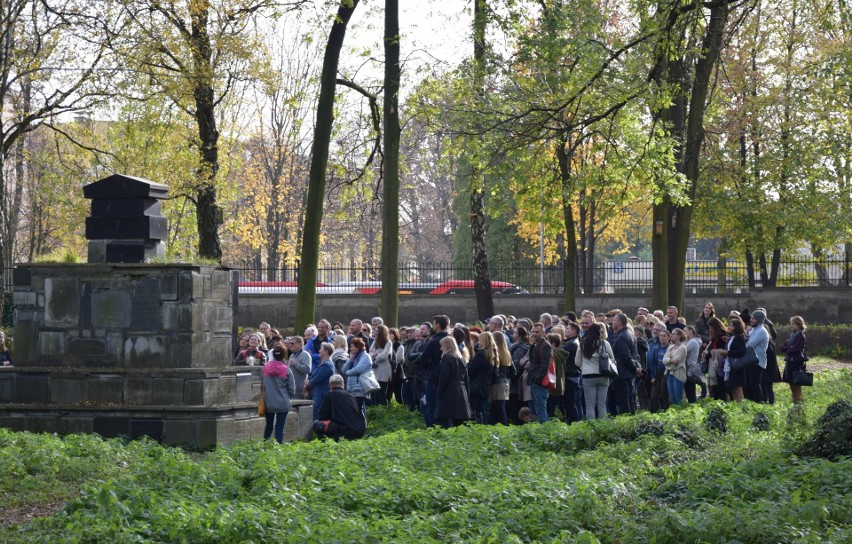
(339, 415)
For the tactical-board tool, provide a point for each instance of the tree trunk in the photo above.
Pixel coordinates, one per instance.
(750, 269)
(570, 261)
(208, 213)
(307, 295)
(481, 276)
(690, 140)
(390, 210)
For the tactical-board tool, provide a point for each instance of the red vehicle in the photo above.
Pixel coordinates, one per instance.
(465, 287)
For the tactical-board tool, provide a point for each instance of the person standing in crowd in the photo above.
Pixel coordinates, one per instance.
(758, 340)
(675, 362)
(431, 359)
(504, 372)
(573, 391)
(278, 387)
(772, 375)
(299, 363)
(461, 334)
(480, 375)
(359, 362)
(341, 352)
(657, 370)
(595, 384)
(672, 321)
(5, 354)
(794, 355)
(626, 355)
(380, 353)
(356, 330)
(397, 338)
(540, 354)
(324, 335)
(702, 324)
(339, 416)
(518, 349)
(714, 360)
(254, 354)
(736, 347)
(642, 349)
(316, 385)
(694, 376)
(556, 398)
(415, 370)
(452, 406)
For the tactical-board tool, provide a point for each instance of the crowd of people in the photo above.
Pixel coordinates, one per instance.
(517, 370)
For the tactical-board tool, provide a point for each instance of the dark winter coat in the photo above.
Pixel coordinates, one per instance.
(451, 401)
(479, 373)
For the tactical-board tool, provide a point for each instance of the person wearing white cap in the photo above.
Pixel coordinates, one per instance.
(339, 416)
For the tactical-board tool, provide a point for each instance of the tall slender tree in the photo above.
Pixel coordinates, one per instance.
(307, 297)
(390, 179)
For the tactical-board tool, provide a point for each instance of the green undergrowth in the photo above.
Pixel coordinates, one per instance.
(663, 478)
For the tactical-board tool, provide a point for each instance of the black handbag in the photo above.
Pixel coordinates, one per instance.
(605, 365)
(802, 377)
(748, 359)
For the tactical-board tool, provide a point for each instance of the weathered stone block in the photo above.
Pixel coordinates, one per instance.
(223, 354)
(220, 318)
(244, 388)
(24, 298)
(106, 388)
(21, 277)
(86, 290)
(146, 314)
(178, 432)
(150, 427)
(52, 343)
(43, 424)
(291, 427)
(86, 347)
(190, 285)
(111, 427)
(76, 425)
(111, 309)
(32, 388)
(62, 302)
(201, 391)
(137, 390)
(68, 390)
(181, 316)
(227, 390)
(168, 391)
(180, 355)
(145, 351)
(14, 423)
(7, 387)
(22, 314)
(114, 347)
(221, 291)
(208, 435)
(169, 286)
(26, 336)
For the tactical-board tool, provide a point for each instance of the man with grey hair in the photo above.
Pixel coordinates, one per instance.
(498, 324)
(376, 321)
(339, 416)
(547, 321)
(299, 362)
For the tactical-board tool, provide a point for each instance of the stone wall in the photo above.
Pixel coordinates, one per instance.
(123, 316)
(133, 350)
(814, 304)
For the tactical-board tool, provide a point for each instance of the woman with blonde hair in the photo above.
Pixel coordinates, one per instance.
(341, 352)
(480, 373)
(451, 401)
(675, 362)
(794, 355)
(503, 373)
(380, 352)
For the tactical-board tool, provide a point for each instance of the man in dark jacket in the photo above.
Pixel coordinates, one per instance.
(339, 415)
(573, 390)
(540, 354)
(626, 358)
(430, 360)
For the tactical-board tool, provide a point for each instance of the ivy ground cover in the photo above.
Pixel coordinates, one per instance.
(672, 477)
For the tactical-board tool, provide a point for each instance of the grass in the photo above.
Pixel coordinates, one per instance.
(650, 478)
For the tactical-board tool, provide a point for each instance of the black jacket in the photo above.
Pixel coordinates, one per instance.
(431, 356)
(451, 400)
(341, 407)
(626, 354)
(540, 355)
(479, 372)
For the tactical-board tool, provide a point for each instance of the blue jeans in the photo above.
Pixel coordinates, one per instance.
(431, 390)
(280, 418)
(595, 392)
(539, 402)
(675, 388)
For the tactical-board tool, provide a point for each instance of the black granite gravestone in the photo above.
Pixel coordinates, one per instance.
(125, 225)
